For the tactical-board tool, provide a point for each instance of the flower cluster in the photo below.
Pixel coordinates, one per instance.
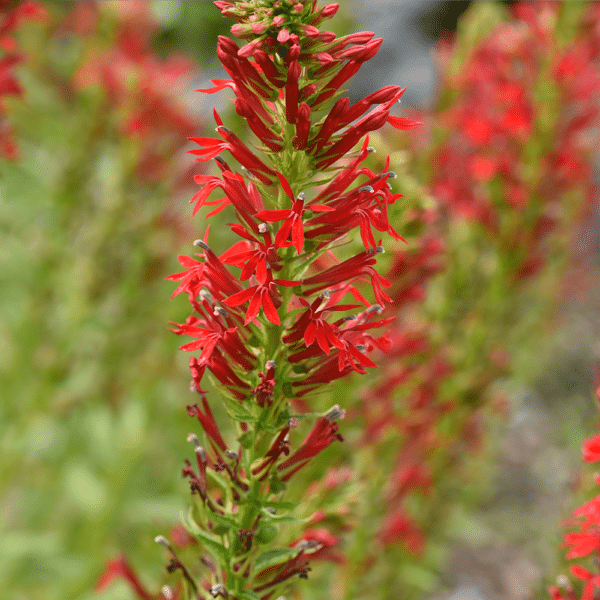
(141, 88)
(11, 16)
(286, 309)
(479, 251)
(584, 541)
(526, 126)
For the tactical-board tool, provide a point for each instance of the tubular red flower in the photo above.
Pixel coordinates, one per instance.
(120, 567)
(208, 423)
(291, 91)
(348, 271)
(322, 435)
(262, 294)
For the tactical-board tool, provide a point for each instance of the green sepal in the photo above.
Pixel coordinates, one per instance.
(238, 412)
(224, 521)
(219, 480)
(212, 545)
(268, 516)
(246, 440)
(276, 485)
(254, 341)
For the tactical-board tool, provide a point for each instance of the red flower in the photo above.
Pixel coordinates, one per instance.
(350, 270)
(313, 328)
(292, 218)
(119, 567)
(208, 424)
(261, 294)
(252, 261)
(591, 449)
(322, 435)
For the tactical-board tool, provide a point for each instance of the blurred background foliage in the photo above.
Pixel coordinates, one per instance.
(92, 421)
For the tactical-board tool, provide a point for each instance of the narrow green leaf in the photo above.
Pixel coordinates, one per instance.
(274, 556)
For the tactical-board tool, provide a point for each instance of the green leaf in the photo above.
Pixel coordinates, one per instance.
(238, 412)
(246, 440)
(224, 521)
(274, 556)
(218, 479)
(269, 516)
(214, 546)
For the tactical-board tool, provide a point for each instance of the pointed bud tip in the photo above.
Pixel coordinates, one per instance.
(202, 244)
